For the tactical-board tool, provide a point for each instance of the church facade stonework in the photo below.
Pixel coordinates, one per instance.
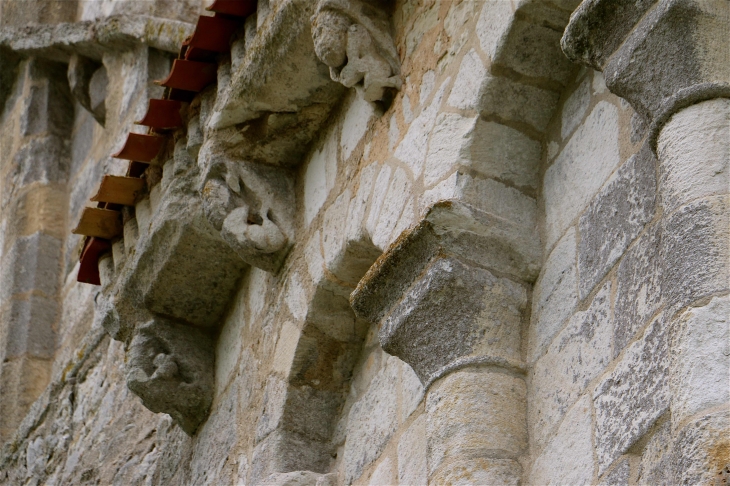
(385, 242)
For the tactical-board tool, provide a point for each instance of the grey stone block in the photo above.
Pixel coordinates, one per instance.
(639, 286)
(49, 107)
(284, 452)
(31, 325)
(615, 218)
(33, 263)
(42, 159)
(519, 102)
(533, 50)
(654, 467)
(630, 399)
(619, 475)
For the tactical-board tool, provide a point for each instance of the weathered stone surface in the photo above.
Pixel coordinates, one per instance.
(639, 291)
(519, 102)
(284, 452)
(618, 476)
(700, 359)
(568, 458)
(171, 369)
(654, 467)
(633, 396)
(576, 356)
(575, 108)
(385, 473)
(615, 218)
(479, 471)
(696, 251)
(32, 263)
(555, 295)
(372, 421)
(474, 412)
(693, 147)
(30, 327)
(580, 170)
(450, 300)
(700, 453)
(412, 467)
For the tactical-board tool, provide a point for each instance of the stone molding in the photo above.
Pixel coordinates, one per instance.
(661, 57)
(354, 39)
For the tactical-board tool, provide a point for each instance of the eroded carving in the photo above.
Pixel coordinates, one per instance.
(353, 38)
(170, 367)
(252, 206)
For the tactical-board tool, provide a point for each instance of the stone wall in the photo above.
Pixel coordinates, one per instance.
(497, 273)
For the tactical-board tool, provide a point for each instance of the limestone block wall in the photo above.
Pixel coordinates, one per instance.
(583, 253)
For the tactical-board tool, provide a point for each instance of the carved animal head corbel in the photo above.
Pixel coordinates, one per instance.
(252, 205)
(171, 368)
(353, 37)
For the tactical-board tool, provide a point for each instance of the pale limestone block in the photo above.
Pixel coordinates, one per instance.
(406, 108)
(274, 400)
(359, 204)
(504, 153)
(393, 132)
(580, 170)
(315, 177)
(407, 219)
(411, 391)
(334, 236)
(428, 83)
(257, 290)
(466, 91)
(380, 190)
(384, 473)
(694, 148)
(355, 125)
(654, 467)
(424, 22)
(286, 346)
(474, 411)
(412, 149)
(552, 150)
(479, 471)
(228, 345)
(412, 467)
(396, 199)
(630, 399)
(598, 83)
(700, 359)
(372, 421)
(313, 257)
(451, 134)
(576, 356)
(575, 107)
(296, 297)
(494, 25)
(568, 458)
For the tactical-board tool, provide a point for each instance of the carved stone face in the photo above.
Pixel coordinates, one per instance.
(329, 31)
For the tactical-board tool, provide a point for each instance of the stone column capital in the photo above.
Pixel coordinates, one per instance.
(660, 56)
(447, 294)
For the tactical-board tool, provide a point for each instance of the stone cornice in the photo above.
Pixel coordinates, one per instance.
(91, 38)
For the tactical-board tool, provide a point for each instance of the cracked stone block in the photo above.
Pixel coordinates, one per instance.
(630, 399)
(615, 218)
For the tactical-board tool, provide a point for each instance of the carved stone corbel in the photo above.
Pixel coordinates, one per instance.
(252, 205)
(353, 38)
